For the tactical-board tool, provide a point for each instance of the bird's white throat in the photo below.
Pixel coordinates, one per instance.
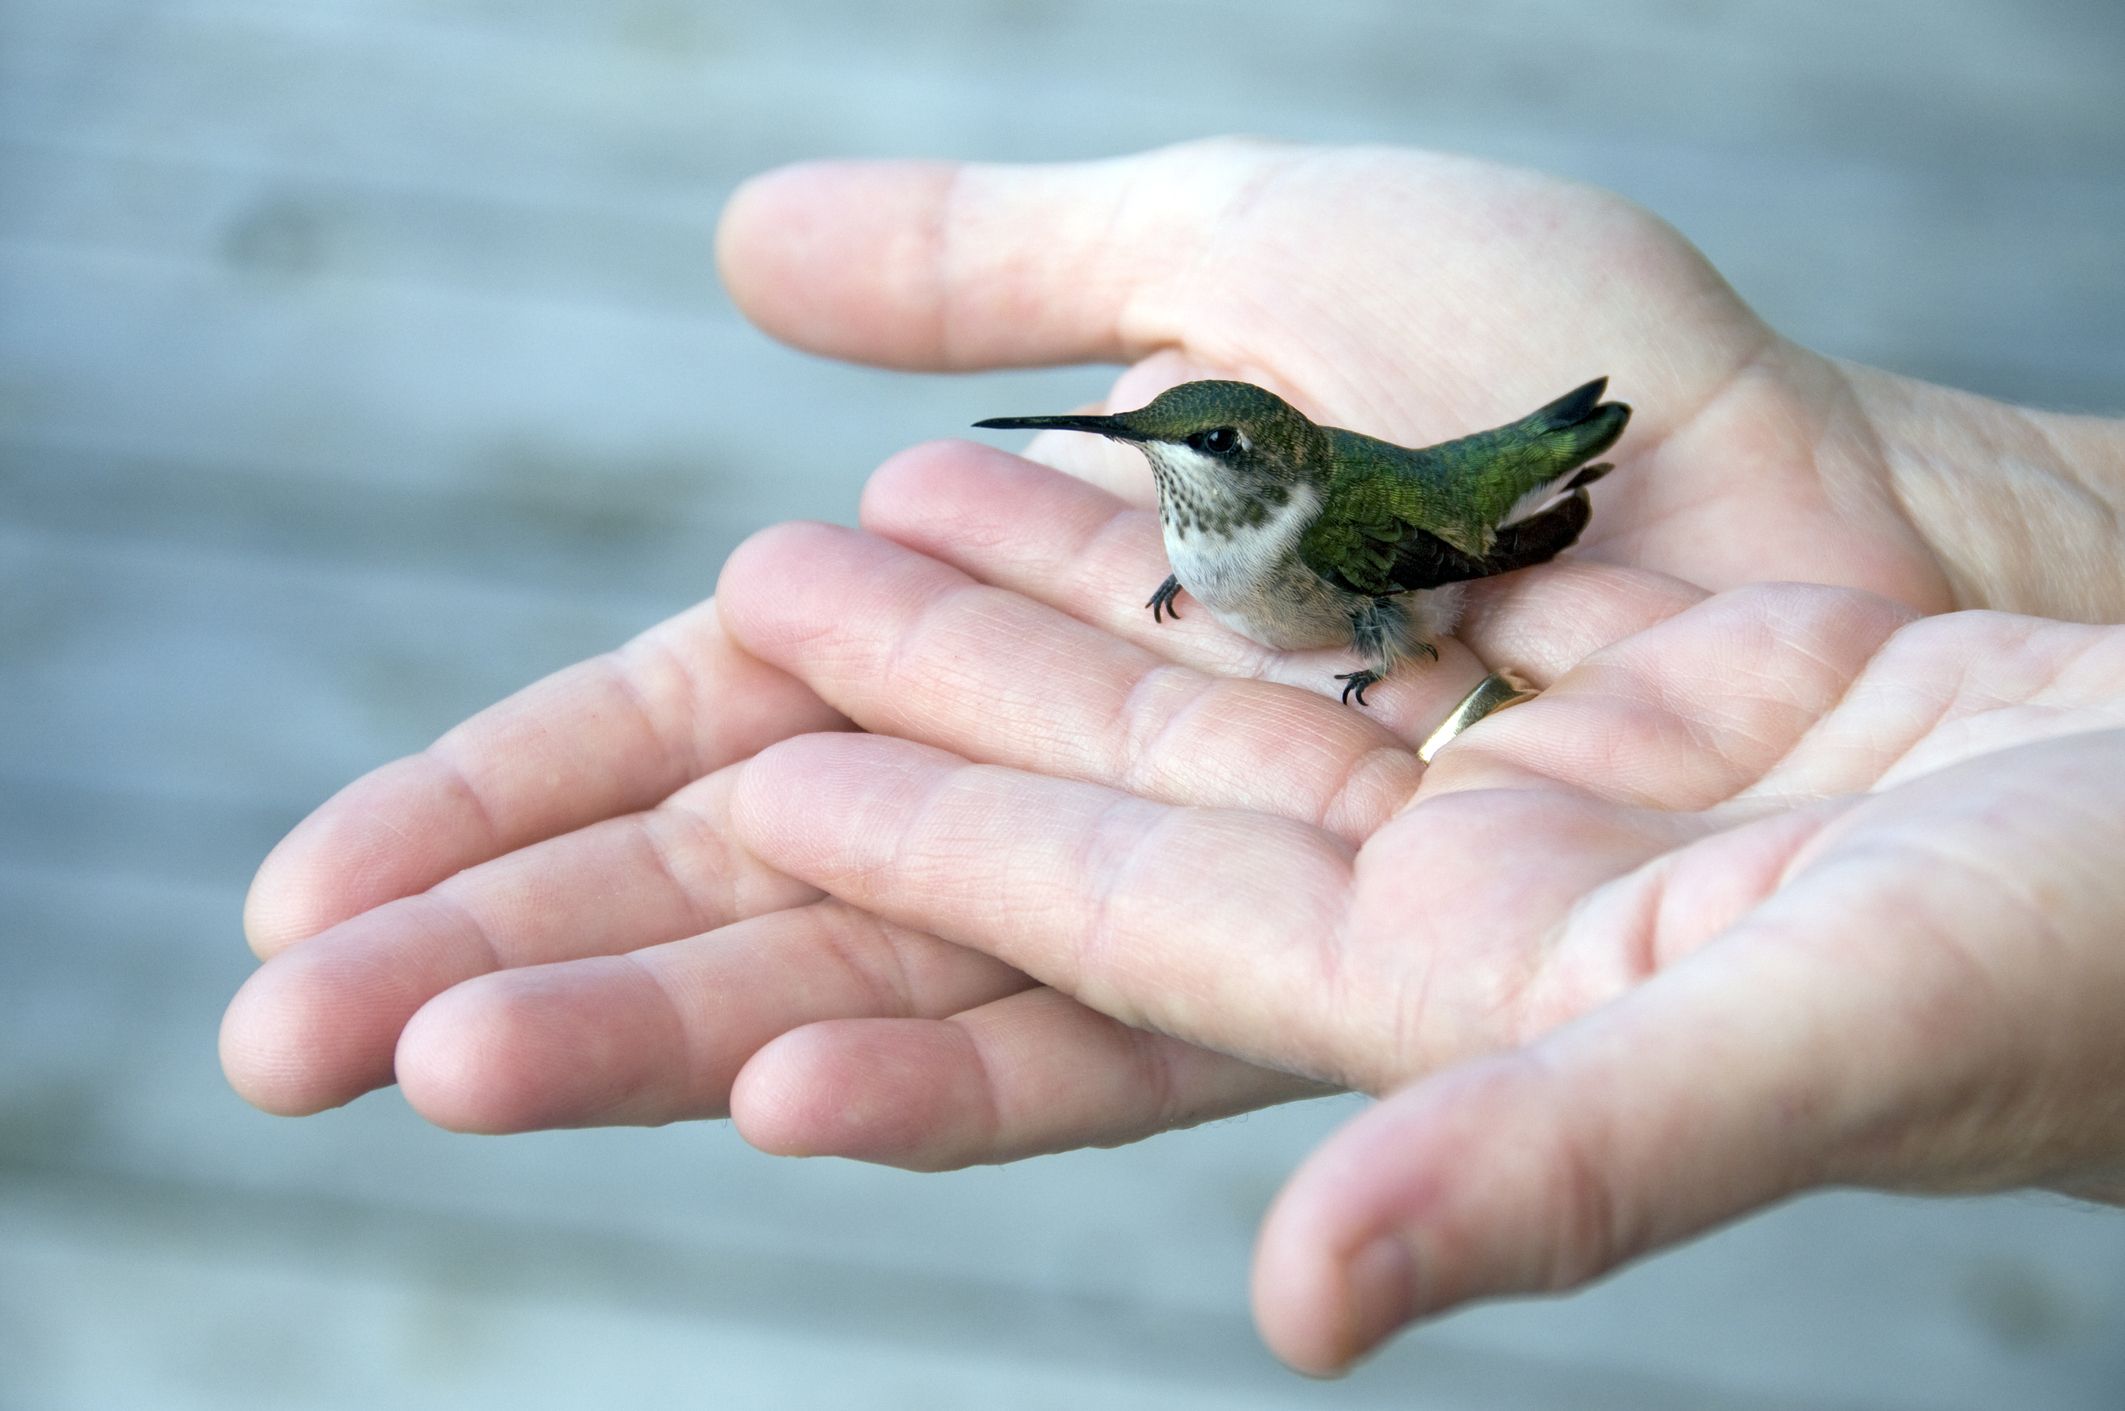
(1226, 550)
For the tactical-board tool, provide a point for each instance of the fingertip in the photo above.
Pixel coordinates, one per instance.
(770, 557)
(292, 1046)
(1332, 1315)
(392, 833)
(315, 1027)
(760, 574)
(932, 482)
(798, 265)
(1390, 1219)
(1296, 1295)
(825, 603)
(888, 1091)
(961, 265)
(823, 807)
(528, 1049)
(334, 864)
(964, 501)
(279, 907)
(797, 768)
(785, 1101)
(757, 218)
(1306, 1293)
(455, 1062)
(766, 812)
(748, 217)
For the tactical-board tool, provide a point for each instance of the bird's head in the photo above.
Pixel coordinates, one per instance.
(1212, 442)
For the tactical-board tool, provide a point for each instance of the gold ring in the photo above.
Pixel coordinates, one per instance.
(1492, 694)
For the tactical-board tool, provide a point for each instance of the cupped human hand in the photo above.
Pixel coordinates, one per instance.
(1781, 887)
(544, 920)
(581, 820)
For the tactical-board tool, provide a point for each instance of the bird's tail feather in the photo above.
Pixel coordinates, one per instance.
(1579, 426)
(1529, 459)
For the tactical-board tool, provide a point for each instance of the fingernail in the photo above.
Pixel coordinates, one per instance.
(1383, 1291)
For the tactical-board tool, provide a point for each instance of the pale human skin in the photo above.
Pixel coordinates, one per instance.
(1772, 888)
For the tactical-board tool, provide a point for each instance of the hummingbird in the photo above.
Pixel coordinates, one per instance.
(1299, 535)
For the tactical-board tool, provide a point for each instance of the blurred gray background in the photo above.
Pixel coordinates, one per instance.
(361, 362)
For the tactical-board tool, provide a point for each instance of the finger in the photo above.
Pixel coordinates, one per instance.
(658, 1034)
(1690, 713)
(1938, 690)
(1705, 1093)
(907, 646)
(966, 265)
(1239, 931)
(1542, 622)
(316, 1025)
(608, 736)
(1029, 1073)
(1078, 549)
(1107, 897)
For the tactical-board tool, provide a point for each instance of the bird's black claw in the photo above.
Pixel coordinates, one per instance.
(1427, 648)
(1161, 603)
(1355, 683)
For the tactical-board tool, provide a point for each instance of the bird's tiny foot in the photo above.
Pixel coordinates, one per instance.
(1355, 683)
(1161, 603)
(1427, 648)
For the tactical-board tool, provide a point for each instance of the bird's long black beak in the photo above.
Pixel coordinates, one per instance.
(1097, 425)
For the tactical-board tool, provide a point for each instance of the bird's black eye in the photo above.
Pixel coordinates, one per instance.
(1217, 441)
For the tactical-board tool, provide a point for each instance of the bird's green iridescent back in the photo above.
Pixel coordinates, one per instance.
(1380, 496)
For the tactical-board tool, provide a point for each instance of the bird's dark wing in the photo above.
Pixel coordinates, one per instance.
(1364, 547)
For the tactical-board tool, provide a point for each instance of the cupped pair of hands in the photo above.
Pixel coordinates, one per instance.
(924, 844)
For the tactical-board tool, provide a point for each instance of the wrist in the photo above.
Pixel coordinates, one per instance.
(2021, 508)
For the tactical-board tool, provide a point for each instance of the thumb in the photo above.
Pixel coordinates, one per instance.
(1709, 1091)
(950, 265)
